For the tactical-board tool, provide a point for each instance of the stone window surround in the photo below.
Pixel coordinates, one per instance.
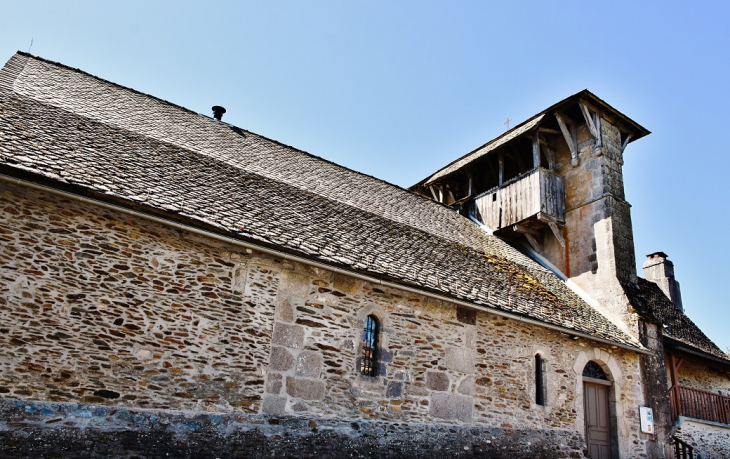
(549, 378)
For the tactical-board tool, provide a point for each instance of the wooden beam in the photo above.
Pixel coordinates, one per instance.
(567, 119)
(624, 142)
(556, 232)
(553, 224)
(469, 178)
(549, 131)
(545, 143)
(533, 242)
(549, 152)
(591, 125)
(673, 370)
(679, 363)
(525, 229)
(433, 193)
(536, 150)
(501, 169)
(673, 394)
(567, 134)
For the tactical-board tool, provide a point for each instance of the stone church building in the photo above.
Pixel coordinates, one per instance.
(175, 286)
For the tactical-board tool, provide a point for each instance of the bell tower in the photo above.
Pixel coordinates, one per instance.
(554, 184)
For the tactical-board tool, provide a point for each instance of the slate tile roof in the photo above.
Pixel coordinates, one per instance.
(76, 129)
(650, 301)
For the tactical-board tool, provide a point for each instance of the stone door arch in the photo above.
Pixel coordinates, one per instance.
(599, 417)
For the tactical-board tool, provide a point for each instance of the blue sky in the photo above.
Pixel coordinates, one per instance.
(398, 89)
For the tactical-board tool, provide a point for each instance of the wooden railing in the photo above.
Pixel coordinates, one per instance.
(537, 191)
(699, 404)
(682, 450)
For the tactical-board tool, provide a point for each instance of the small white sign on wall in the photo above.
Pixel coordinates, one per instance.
(647, 419)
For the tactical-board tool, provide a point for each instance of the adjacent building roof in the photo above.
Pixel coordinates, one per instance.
(648, 299)
(69, 128)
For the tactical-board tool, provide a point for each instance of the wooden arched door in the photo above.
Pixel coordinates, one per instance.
(596, 388)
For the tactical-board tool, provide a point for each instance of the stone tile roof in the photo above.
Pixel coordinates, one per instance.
(76, 129)
(649, 300)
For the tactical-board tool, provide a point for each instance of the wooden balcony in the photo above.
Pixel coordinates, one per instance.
(533, 197)
(699, 404)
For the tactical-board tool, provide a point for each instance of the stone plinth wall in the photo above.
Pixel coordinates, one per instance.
(709, 440)
(101, 309)
(49, 430)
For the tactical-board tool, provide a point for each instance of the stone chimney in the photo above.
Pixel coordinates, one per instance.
(658, 269)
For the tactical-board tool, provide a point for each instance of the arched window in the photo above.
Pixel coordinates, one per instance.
(540, 396)
(368, 362)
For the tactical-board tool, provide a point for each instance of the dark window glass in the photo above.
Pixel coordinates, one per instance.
(539, 380)
(368, 363)
(594, 370)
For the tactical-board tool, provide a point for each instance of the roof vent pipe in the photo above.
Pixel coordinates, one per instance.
(218, 112)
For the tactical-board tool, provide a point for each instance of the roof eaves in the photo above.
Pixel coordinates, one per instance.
(693, 350)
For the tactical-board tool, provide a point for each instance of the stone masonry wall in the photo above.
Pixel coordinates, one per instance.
(594, 193)
(98, 308)
(102, 309)
(701, 377)
(709, 440)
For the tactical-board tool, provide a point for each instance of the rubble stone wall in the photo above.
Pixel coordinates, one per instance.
(701, 377)
(99, 308)
(76, 431)
(709, 440)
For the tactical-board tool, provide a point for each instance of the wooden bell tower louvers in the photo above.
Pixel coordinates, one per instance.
(516, 184)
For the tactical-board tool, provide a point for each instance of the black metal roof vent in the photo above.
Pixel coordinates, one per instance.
(218, 112)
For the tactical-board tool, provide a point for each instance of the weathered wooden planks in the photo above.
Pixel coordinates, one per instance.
(539, 191)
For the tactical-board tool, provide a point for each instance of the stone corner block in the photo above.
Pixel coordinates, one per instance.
(452, 407)
(345, 284)
(459, 359)
(309, 363)
(284, 309)
(281, 359)
(306, 389)
(437, 380)
(294, 284)
(273, 404)
(466, 387)
(288, 335)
